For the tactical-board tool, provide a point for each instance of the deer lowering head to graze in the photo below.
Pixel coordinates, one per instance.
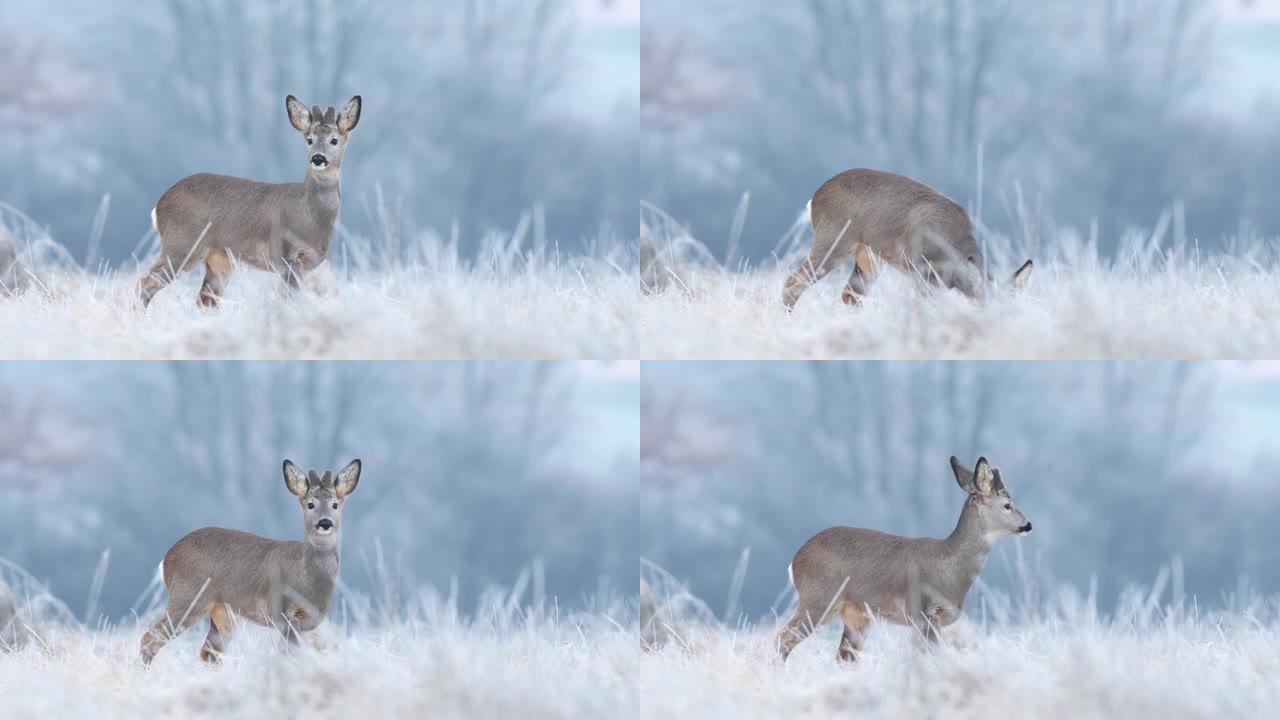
(859, 575)
(226, 575)
(874, 217)
(284, 228)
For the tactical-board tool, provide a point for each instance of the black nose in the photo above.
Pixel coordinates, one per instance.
(318, 159)
(325, 524)
(1025, 528)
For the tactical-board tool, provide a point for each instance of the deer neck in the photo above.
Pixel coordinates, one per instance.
(968, 545)
(325, 189)
(324, 556)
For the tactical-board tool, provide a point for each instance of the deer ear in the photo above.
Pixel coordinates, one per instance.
(964, 475)
(997, 483)
(349, 116)
(299, 116)
(294, 479)
(1021, 275)
(348, 477)
(983, 478)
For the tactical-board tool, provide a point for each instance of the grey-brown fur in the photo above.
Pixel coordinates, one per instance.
(871, 217)
(285, 228)
(858, 575)
(226, 575)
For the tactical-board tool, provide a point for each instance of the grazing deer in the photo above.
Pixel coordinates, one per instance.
(857, 575)
(227, 574)
(877, 217)
(285, 228)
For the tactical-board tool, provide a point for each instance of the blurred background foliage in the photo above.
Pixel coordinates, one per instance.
(474, 110)
(1090, 113)
(1122, 467)
(473, 471)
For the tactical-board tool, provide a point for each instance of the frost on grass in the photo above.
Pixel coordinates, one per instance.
(1147, 659)
(513, 657)
(521, 296)
(1160, 296)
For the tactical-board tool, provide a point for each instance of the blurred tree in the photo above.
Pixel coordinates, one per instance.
(1088, 105)
(470, 114)
(465, 470)
(37, 89)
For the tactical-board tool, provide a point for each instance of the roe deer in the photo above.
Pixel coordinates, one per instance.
(857, 575)
(873, 216)
(285, 228)
(227, 574)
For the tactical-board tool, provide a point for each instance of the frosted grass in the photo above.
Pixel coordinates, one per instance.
(1157, 655)
(1160, 296)
(418, 656)
(402, 295)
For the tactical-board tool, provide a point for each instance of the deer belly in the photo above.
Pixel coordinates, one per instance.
(258, 255)
(257, 612)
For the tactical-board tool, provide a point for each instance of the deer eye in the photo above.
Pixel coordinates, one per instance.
(335, 506)
(1008, 506)
(333, 141)
(310, 140)
(311, 506)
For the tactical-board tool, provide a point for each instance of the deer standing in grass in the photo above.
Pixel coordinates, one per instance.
(858, 575)
(285, 228)
(874, 217)
(225, 575)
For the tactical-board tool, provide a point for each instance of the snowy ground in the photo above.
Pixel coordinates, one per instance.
(534, 670)
(1161, 297)
(520, 297)
(1147, 661)
(510, 659)
(1044, 670)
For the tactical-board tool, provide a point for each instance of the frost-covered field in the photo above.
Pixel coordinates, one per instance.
(510, 659)
(1160, 297)
(538, 669)
(1148, 660)
(398, 297)
(1043, 670)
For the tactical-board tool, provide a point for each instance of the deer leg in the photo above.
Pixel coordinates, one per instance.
(801, 625)
(856, 622)
(829, 251)
(221, 627)
(296, 266)
(180, 614)
(217, 265)
(292, 275)
(864, 273)
(296, 621)
(162, 272)
(937, 612)
(155, 638)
